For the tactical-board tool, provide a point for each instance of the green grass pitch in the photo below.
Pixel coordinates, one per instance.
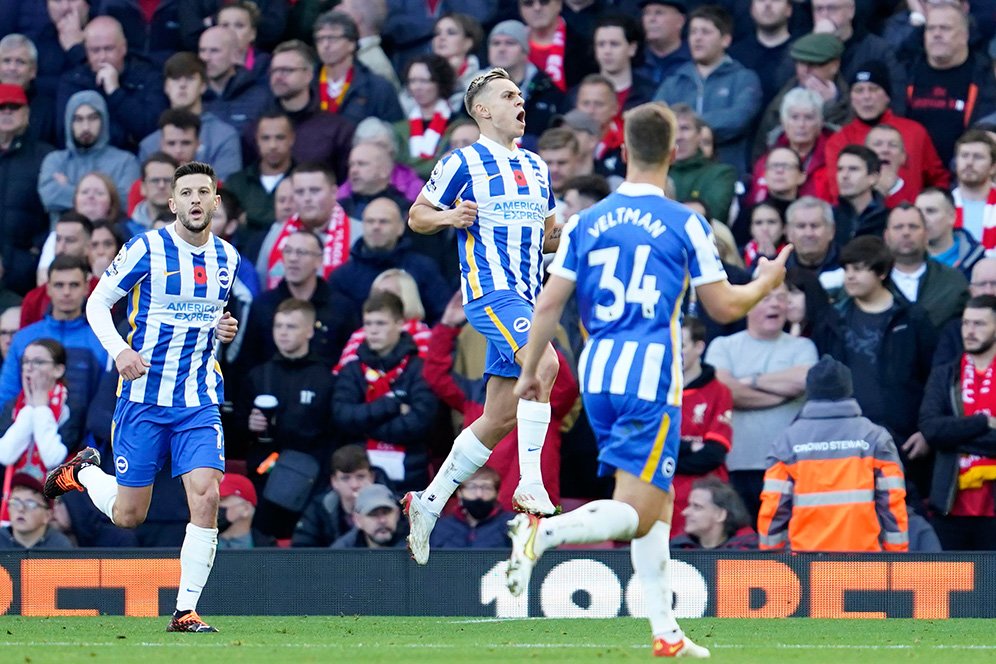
(397, 640)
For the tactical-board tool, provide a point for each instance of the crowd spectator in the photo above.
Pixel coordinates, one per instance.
(456, 38)
(256, 184)
(236, 510)
(809, 227)
(889, 343)
(581, 192)
(383, 398)
(59, 48)
(617, 40)
(946, 244)
(429, 81)
(197, 15)
(766, 43)
(242, 17)
(370, 16)
(975, 193)
(88, 127)
(329, 515)
(665, 49)
(555, 46)
(725, 94)
(956, 421)
(810, 313)
(765, 370)
(596, 97)
(233, 93)
(31, 524)
(508, 48)
(370, 168)
(155, 190)
(860, 209)
(982, 282)
(694, 175)
(19, 66)
(781, 181)
(130, 87)
(940, 290)
(377, 515)
(767, 233)
(72, 238)
(23, 225)
(715, 518)
(10, 323)
(559, 148)
(816, 495)
(185, 83)
(480, 520)
(887, 143)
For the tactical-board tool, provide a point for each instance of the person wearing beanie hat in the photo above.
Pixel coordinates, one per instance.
(508, 48)
(834, 480)
(871, 86)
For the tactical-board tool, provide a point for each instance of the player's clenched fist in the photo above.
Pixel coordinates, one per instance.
(464, 214)
(131, 365)
(228, 327)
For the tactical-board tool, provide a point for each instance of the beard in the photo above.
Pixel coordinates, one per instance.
(193, 226)
(981, 347)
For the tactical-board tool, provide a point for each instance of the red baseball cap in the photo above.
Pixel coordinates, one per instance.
(238, 485)
(12, 94)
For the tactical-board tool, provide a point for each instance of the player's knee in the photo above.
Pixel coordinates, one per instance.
(129, 518)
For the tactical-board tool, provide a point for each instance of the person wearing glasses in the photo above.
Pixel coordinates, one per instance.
(30, 518)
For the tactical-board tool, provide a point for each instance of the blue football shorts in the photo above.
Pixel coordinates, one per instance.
(638, 436)
(504, 318)
(142, 435)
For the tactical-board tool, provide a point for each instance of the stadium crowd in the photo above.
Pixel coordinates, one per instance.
(861, 131)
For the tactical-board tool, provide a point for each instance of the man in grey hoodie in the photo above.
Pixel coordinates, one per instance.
(88, 149)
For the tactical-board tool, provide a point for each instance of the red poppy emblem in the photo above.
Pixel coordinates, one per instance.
(520, 178)
(200, 276)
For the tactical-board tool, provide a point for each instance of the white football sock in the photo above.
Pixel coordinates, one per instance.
(101, 487)
(597, 521)
(651, 556)
(533, 419)
(196, 560)
(465, 457)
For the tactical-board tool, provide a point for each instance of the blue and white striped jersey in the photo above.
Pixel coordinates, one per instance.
(632, 257)
(176, 295)
(503, 249)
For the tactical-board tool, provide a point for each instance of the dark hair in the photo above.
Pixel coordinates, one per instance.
(292, 304)
(74, 217)
(183, 64)
(716, 15)
(488, 474)
(558, 138)
(195, 168)
(982, 302)
(335, 18)
(306, 52)
(349, 459)
(440, 72)
(594, 186)
(274, 113)
(471, 27)
(113, 228)
(307, 233)
(906, 205)
(181, 118)
(943, 192)
(65, 262)
(696, 328)
(247, 6)
(316, 167)
(872, 163)
(698, 201)
(232, 204)
(632, 30)
(725, 498)
(977, 136)
(818, 305)
(786, 148)
(57, 351)
(649, 133)
(597, 79)
(158, 158)
(870, 251)
(382, 301)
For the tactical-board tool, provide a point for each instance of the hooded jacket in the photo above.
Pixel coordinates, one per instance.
(74, 162)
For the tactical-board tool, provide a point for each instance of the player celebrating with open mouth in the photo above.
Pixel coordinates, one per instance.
(177, 281)
(499, 200)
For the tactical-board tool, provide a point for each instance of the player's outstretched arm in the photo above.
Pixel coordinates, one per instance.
(427, 219)
(726, 303)
(549, 308)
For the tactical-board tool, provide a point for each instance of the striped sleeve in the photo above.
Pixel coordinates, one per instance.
(704, 266)
(448, 180)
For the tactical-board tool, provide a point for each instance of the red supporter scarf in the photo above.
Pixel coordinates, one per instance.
(550, 57)
(424, 137)
(988, 239)
(379, 384)
(336, 245)
(978, 397)
(30, 462)
(329, 103)
(612, 139)
(419, 332)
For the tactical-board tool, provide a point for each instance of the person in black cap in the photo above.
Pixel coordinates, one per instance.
(834, 480)
(869, 96)
(665, 49)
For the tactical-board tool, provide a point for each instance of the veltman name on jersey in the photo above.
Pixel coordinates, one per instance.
(625, 215)
(193, 312)
(521, 211)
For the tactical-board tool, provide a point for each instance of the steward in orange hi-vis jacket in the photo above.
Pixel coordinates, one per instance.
(834, 480)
